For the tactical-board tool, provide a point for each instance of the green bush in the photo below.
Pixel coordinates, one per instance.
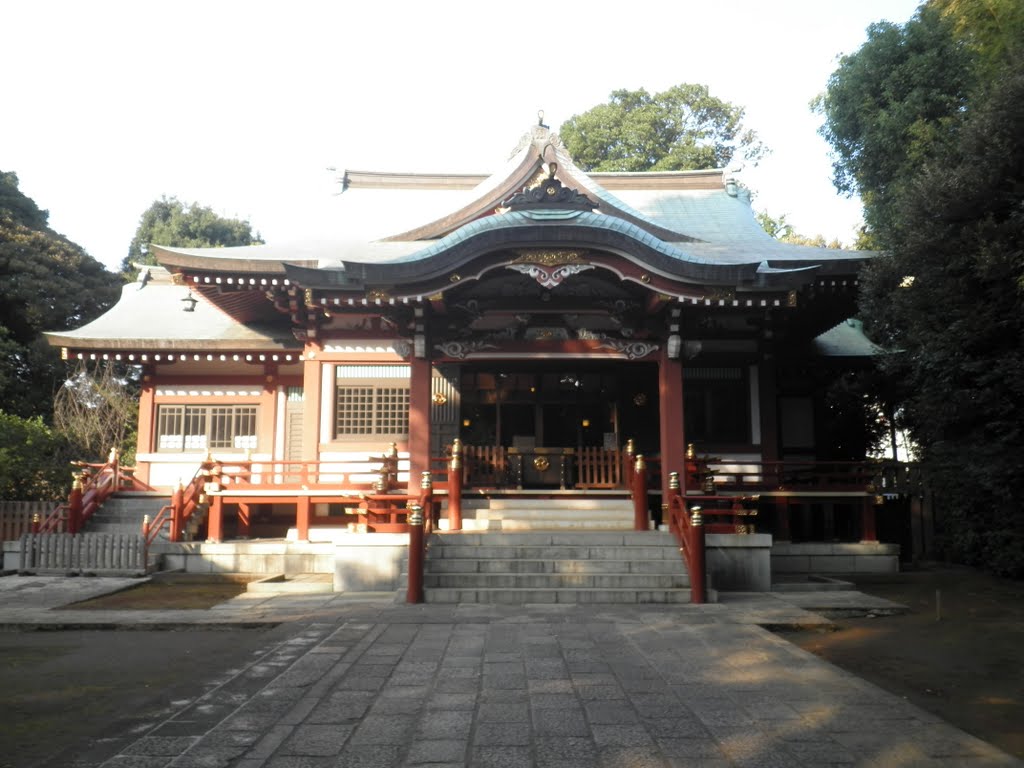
(34, 460)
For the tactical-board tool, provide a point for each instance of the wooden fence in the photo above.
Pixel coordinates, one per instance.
(16, 517)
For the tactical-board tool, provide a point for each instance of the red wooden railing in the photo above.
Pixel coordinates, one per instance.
(638, 492)
(420, 527)
(688, 527)
(742, 486)
(186, 500)
(93, 485)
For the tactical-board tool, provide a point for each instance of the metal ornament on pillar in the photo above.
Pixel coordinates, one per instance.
(675, 344)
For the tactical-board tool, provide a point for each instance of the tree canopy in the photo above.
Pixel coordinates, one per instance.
(168, 221)
(47, 283)
(892, 106)
(682, 128)
(937, 154)
(781, 229)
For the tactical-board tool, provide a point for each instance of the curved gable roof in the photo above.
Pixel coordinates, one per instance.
(544, 228)
(538, 150)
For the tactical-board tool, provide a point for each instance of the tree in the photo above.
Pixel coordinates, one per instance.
(173, 223)
(990, 28)
(946, 297)
(959, 323)
(783, 231)
(34, 460)
(893, 105)
(97, 409)
(47, 283)
(683, 128)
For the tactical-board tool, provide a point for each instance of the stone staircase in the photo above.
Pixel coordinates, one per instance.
(123, 512)
(550, 512)
(555, 567)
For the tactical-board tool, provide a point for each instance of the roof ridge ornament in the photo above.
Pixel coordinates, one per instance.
(550, 194)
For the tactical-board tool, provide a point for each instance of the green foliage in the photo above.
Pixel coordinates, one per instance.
(990, 28)
(927, 124)
(34, 460)
(47, 283)
(683, 128)
(782, 230)
(173, 223)
(894, 105)
(18, 208)
(949, 297)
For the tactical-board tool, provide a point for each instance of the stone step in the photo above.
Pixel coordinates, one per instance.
(519, 565)
(555, 538)
(582, 525)
(124, 513)
(522, 596)
(555, 567)
(552, 552)
(583, 504)
(614, 581)
(524, 513)
(560, 513)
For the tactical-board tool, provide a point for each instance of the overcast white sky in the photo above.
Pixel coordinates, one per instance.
(243, 106)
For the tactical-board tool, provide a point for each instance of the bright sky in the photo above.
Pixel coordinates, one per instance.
(243, 106)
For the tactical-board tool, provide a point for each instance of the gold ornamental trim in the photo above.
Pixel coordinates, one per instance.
(548, 258)
(541, 464)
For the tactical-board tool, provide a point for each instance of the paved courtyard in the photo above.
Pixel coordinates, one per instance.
(367, 682)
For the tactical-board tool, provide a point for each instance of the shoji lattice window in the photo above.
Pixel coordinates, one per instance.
(222, 428)
(372, 409)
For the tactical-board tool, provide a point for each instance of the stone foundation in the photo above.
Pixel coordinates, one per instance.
(835, 558)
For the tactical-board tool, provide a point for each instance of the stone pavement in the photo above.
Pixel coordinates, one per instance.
(369, 682)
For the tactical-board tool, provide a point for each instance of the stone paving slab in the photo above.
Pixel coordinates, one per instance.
(382, 685)
(371, 682)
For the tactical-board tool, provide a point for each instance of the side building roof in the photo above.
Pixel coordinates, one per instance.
(154, 313)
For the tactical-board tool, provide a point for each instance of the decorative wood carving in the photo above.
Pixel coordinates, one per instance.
(633, 350)
(550, 277)
(548, 258)
(550, 194)
(461, 349)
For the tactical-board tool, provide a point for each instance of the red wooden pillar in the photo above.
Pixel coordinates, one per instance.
(244, 521)
(75, 507)
(419, 420)
(670, 394)
(455, 487)
(639, 486)
(302, 514)
(215, 520)
(696, 550)
(628, 454)
(312, 387)
(868, 533)
(177, 512)
(147, 420)
(414, 521)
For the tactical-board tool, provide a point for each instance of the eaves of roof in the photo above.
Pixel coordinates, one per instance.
(551, 228)
(155, 316)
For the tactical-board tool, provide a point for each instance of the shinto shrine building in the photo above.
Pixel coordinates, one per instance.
(553, 321)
